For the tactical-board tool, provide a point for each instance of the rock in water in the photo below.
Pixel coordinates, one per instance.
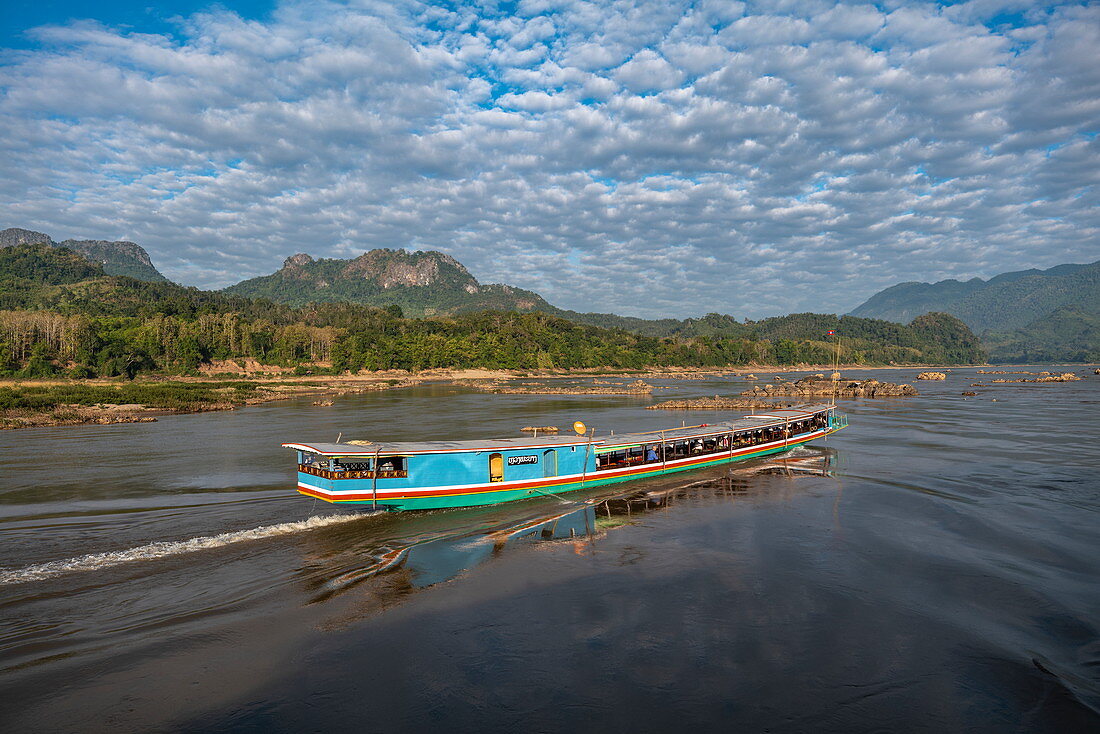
(809, 387)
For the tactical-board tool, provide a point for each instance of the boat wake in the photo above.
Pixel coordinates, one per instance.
(152, 551)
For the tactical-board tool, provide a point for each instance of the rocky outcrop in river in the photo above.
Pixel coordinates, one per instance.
(1047, 377)
(720, 403)
(814, 386)
(932, 376)
(634, 388)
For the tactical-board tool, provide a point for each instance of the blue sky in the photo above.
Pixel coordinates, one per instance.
(17, 17)
(646, 158)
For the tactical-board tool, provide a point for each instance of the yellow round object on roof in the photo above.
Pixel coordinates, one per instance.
(580, 428)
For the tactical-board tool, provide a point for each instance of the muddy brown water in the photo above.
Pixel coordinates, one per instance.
(935, 566)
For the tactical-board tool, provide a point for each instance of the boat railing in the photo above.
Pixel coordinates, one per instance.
(350, 474)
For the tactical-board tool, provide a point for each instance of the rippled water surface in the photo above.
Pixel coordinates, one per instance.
(935, 566)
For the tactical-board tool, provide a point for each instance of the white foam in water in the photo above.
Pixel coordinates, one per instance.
(98, 561)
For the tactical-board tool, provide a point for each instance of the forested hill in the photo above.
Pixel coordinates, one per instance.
(117, 258)
(1026, 316)
(713, 324)
(421, 283)
(60, 313)
(1005, 302)
(1068, 334)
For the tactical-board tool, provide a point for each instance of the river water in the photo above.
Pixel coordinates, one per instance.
(935, 566)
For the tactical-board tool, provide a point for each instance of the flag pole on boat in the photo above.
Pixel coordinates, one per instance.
(836, 365)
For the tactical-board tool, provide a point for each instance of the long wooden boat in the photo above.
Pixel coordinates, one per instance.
(436, 474)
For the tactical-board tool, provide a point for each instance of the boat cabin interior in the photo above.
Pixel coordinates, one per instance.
(661, 447)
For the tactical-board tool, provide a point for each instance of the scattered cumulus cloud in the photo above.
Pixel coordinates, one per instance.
(641, 157)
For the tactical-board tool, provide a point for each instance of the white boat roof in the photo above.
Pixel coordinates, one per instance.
(748, 423)
(439, 447)
(404, 448)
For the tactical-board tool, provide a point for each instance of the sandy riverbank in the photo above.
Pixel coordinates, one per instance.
(48, 403)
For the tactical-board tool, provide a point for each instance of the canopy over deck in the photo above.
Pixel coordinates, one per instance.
(748, 423)
(406, 448)
(439, 447)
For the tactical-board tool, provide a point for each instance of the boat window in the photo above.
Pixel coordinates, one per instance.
(612, 459)
(496, 468)
(354, 464)
(391, 463)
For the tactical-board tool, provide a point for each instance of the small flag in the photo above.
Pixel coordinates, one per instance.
(831, 332)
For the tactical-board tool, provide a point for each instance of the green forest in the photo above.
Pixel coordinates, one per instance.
(62, 315)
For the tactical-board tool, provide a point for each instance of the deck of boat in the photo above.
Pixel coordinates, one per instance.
(406, 448)
(748, 423)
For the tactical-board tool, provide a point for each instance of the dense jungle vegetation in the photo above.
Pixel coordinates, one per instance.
(60, 314)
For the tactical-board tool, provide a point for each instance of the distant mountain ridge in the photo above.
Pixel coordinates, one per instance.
(117, 258)
(1022, 316)
(422, 283)
(432, 283)
(1006, 301)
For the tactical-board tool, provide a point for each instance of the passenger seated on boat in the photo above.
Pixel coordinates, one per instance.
(651, 453)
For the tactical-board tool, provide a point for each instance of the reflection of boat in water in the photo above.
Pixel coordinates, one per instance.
(446, 554)
(436, 474)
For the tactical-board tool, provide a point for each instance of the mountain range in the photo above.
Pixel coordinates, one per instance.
(1022, 316)
(59, 312)
(422, 283)
(1025, 316)
(1004, 302)
(117, 258)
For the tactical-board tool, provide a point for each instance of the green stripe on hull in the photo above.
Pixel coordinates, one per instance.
(508, 495)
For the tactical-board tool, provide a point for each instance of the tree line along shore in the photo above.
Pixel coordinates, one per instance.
(62, 315)
(62, 318)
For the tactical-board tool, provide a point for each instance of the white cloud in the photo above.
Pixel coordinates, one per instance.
(745, 158)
